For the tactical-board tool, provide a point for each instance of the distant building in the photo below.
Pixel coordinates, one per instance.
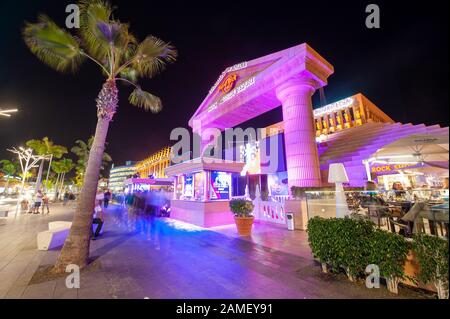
(119, 174)
(155, 165)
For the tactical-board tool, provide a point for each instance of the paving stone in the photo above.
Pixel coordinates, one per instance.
(141, 257)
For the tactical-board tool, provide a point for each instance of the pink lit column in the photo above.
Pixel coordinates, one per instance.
(299, 132)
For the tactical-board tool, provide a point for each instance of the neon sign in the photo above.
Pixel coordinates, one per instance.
(333, 107)
(233, 68)
(228, 84)
(232, 94)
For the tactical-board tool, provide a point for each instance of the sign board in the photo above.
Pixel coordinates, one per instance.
(220, 185)
(189, 186)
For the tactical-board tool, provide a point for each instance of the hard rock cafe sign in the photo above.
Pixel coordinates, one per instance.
(228, 84)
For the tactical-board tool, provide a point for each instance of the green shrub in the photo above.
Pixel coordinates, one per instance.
(389, 252)
(432, 255)
(320, 239)
(341, 242)
(241, 207)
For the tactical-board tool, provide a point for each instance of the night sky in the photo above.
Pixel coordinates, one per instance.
(402, 67)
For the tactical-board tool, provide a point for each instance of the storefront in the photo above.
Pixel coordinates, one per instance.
(202, 191)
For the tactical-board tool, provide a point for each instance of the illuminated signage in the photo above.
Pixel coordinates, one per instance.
(220, 185)
(390, 168)
(230, 69)
(278, 184)
(250, 155)
(189, 186)
(242, 87)
(330, 108)
(228, 84)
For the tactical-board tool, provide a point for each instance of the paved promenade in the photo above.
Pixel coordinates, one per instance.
(141, 257)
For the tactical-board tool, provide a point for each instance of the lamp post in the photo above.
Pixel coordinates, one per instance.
(338, 175)
(7, 113)
(27, 161)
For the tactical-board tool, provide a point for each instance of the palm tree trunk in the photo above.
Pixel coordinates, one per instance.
(76, 247)
(56, 187)
(61, 188)
(39, 177)
(7, 185)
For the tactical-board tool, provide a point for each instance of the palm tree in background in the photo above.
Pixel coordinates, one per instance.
(45, 147)
(9, 169)
(121, 57)
(61, 168)
(82, 150)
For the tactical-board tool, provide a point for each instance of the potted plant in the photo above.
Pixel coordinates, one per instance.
(242, 210)
(433, 255)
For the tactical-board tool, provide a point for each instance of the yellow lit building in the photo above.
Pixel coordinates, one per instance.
(155, 164)
(350, 112)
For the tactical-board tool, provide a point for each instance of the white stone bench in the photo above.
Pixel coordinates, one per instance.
(61, 224)
(2, 221)
(4, 210)
(52, 238)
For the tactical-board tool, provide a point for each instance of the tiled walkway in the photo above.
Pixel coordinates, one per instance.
(141, 257)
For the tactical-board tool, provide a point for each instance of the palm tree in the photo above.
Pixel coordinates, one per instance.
(67, 165)
(82, 149)
(108, 43)
(45, 147)
(9, 169)
(61, 168)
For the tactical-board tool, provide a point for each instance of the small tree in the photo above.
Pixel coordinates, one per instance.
(241, 207)
(432, 255)
(9, 169)
(47, 149)
(389, 252)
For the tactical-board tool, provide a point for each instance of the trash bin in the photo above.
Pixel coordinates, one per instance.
(290, 221)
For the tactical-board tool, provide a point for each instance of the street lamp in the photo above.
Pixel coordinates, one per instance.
(7, 113)
(27, 161)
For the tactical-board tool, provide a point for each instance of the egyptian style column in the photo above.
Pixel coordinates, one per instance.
(299, 132)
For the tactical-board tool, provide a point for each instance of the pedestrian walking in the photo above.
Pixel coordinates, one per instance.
(66, 198)
(45, 204)
(106, 198)
(37, 202)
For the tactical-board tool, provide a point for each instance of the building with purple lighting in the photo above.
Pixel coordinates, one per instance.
(350, 131)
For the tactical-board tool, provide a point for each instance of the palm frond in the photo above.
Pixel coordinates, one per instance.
(152, 55)
(95, 13)
(53, 45)
(129, 74)
(102, 35)
(147, 101)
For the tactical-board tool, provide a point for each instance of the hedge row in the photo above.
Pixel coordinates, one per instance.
(352, 245)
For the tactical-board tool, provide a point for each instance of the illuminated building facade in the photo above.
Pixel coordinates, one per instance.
(295, 152)
(155, 165)
(308, 140)
(119, 174)
(350, 112)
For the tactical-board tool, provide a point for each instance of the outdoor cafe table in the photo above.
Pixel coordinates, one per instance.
(438, 214)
